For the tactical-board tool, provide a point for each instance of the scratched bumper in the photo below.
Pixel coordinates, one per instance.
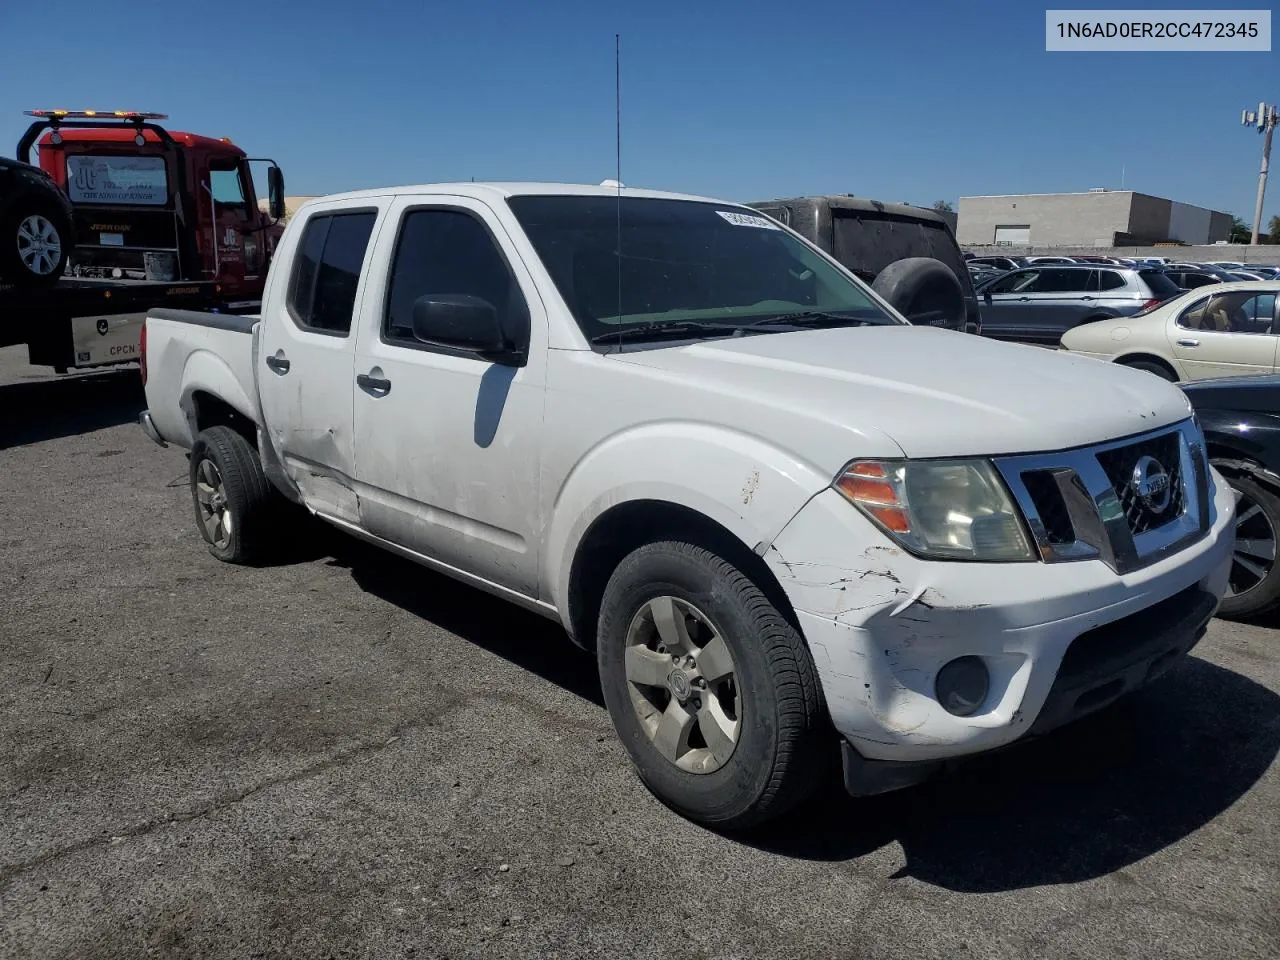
(881, 623)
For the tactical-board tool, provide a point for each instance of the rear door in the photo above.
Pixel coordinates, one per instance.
(306, 353)
(1227, 334)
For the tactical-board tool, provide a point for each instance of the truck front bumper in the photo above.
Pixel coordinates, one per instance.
(1058, 640)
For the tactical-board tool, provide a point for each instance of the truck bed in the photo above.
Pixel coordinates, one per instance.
(190, 353)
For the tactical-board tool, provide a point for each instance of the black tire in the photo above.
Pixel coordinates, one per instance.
(784, 742)
(12, 267)
(1152, 366)
(924, 290)
(1263, 596)
(246, 492)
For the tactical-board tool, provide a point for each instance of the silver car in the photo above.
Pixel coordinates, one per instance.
(1039, 304)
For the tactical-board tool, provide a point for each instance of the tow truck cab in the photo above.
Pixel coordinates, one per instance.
(153, 204)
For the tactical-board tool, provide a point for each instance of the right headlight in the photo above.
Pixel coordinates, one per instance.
(940, 509)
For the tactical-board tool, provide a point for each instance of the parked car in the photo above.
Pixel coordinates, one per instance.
(1110, 261)
(1000, 263)
(1040, 303)
(1229, 330)
(908, 255)
(35, 226)
(1189, 279)
(1229, 265)
(1048, 260)
(1241, 422)
(776, 511)
(1247, 275)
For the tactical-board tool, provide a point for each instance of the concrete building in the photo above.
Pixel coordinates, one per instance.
(1098, 218)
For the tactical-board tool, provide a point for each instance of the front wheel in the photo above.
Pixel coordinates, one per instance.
(1253, 587)
(711, 690)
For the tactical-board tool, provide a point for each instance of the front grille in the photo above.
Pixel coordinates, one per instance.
(1119, 464)
(1047, 497)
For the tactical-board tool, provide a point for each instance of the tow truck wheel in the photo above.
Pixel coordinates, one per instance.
(231, 495)
(33, 251)
(711, 689)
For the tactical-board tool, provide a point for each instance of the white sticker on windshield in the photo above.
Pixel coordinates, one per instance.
(747, 220)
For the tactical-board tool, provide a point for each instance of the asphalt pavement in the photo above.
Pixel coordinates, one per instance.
(345, 755)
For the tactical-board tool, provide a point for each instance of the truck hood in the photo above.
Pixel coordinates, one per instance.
(935, 393)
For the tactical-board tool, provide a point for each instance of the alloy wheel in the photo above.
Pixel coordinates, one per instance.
(215, 513)
(1255, 549)
(683, 684)
(39, 246)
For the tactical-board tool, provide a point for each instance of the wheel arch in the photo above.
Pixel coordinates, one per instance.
(211, 394)
(1129, 359)
(626, 527)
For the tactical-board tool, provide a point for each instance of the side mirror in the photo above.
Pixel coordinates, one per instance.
(461, 321)
(986, 295)
(275, 192)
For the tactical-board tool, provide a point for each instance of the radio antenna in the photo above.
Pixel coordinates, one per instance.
(617, 122)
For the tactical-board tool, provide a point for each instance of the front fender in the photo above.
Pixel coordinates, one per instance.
(741, 482)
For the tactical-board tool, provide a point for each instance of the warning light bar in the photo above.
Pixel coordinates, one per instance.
(95, 114)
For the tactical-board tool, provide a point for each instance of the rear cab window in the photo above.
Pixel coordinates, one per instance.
(117, 180)
(1159, 283)
(326, 270)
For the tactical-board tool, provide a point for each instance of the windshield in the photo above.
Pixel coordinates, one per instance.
(683, 262)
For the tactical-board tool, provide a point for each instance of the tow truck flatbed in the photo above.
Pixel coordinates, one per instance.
(81, 323)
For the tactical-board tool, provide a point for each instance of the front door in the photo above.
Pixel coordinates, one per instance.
(1006, 304)
(306, 354)
(1227, 334)
(447, 443)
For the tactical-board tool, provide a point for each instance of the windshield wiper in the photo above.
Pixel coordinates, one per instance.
(807, 318)
(658, 330)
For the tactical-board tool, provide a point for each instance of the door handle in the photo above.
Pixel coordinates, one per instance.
(1188, 342)
(278, 363)
(1024, 299)
(1086, 298)
(374, 385)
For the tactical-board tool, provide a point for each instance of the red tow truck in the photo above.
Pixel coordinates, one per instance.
(160, 218)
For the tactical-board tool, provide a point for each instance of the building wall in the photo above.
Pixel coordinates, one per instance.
(1091, 219)
(1188, 224)
(1219, 226)
(1054, 218)
(1148, 219)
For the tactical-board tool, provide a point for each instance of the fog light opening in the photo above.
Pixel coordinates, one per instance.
(962, 685)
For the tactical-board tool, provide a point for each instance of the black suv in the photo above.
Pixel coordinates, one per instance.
(907, 254)
(35, 225)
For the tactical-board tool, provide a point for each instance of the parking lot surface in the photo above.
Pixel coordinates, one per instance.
(346, 755)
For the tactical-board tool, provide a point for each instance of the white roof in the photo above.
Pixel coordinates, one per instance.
(491, 190)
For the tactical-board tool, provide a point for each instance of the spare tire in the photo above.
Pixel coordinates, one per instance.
(923, 290)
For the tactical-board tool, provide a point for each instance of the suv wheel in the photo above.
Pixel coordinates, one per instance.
(33, 251)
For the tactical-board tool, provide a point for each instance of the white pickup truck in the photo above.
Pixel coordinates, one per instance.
(791, 525)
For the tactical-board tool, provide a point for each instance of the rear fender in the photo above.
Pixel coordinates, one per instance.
(747, 486)
(206, 372)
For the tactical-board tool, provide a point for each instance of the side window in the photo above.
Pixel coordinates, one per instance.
(446, 252)
(1109, 280)
(1240, 311)
(322, 292)
(228, 191)
(1193, 280)
(1061, 281)
(1014, 282)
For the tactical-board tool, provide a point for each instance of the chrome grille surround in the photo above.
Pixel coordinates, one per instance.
(1098, 522)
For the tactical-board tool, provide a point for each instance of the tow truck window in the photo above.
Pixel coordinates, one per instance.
(228, 191)
(118, 181)
(322, 290)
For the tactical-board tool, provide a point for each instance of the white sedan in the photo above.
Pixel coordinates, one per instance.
(1224, 330)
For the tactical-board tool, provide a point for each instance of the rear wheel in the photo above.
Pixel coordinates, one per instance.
(711, 690)
(1152, 366)
(232, 497)
(33, 248)
(1253, 587)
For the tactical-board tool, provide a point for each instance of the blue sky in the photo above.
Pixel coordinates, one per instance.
(901, 101)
